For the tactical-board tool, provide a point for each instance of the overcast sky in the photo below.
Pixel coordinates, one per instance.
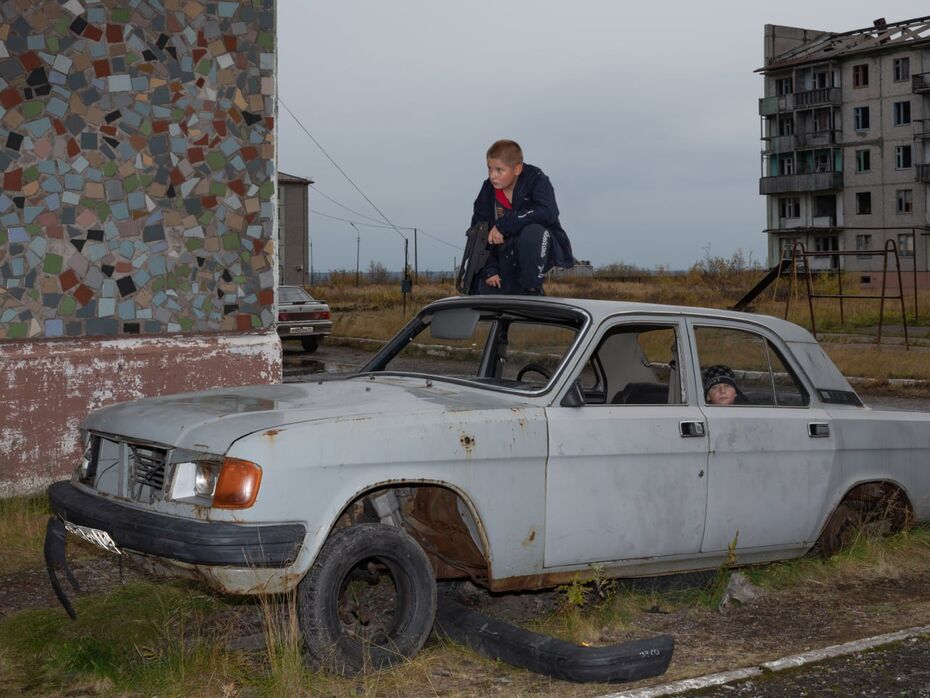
(644, 116)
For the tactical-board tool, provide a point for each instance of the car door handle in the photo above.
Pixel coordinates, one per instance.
(818, 429)
(688, 429)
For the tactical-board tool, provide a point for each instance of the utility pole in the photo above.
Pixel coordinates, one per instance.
(405, 285)
(416, 267)
(311, 262)
(358, 246)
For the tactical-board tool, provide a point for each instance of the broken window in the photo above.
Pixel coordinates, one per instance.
(863, 242)
(902, 113)
(863, 202)
(751, 364)
(861, 118)
(640, 365)
(789, 207)
(509, 349)
(824, 206)
(902, 157)
(860, 75)
(906, 244)
(863, 160)
(901, 69)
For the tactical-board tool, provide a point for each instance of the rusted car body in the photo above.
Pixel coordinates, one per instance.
(518, 441)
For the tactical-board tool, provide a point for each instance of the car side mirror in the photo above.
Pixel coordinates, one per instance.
(575, 395)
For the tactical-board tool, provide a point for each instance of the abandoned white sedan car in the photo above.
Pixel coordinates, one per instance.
(513, 441)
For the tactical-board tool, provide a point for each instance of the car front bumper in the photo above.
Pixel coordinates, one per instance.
(214, 543)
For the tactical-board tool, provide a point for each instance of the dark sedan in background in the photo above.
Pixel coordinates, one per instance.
(300, 316)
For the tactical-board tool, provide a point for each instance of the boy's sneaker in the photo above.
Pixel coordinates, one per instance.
(534, 291)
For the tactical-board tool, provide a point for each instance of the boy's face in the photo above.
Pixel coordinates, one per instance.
(721, 394)
(501, 174)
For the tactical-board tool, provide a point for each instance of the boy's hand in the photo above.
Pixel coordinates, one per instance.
(495, 238)
(494, 281)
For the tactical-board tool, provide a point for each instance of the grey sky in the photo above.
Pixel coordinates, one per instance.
(644, 116)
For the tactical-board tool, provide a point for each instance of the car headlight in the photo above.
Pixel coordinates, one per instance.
(204, 480)
(228, 484)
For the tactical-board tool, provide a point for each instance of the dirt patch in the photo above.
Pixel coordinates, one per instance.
(807, 616)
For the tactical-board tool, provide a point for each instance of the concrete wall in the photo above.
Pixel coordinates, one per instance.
(137, 256)
(293, 230)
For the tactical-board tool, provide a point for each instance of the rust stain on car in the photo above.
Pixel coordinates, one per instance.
(530, 538)
(273, 432)
(468, 441)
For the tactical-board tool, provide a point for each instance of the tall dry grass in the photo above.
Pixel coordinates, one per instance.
(376, 310)
(22, 530)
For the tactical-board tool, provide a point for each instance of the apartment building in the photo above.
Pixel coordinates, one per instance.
(846, 145)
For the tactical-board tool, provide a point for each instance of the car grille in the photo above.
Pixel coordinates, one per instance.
(147, 466)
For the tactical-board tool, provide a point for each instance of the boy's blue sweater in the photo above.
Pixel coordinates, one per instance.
(533, 202)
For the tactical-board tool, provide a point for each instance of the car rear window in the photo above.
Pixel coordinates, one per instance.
(292, 294)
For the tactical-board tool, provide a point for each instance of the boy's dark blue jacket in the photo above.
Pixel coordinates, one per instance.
(533, 202)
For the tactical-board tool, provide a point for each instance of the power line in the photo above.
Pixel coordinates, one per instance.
(336, 165)
(341, 205)
(379, 225)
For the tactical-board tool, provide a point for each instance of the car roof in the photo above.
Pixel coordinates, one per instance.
(602, 309)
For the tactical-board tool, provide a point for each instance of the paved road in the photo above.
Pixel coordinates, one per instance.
(900, 669)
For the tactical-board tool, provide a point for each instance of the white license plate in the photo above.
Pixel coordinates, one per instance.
(301, 330)
(93, 535)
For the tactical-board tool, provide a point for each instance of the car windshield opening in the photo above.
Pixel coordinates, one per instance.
(503, 348)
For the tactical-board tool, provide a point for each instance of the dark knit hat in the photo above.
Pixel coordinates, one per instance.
(714, 375)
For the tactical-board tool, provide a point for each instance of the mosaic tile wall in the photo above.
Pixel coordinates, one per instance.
(137, 167)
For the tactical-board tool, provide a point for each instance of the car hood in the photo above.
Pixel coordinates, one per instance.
(211, 421)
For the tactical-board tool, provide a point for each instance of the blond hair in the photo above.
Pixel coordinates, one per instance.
(506, 151)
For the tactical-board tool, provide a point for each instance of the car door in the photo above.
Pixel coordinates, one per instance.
(625, 477)
(771, 452)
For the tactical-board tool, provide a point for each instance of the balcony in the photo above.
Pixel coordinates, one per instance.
(920, 83)
(812, 181)
(824, 96)
(799, 141)
(824, 221)
(816, 98)
(923, 173)
(772, 105)
(921, 128)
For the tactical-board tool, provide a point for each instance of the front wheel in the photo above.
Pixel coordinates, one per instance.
(369, 600)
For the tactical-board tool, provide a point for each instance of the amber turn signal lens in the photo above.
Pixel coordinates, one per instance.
(237, 485)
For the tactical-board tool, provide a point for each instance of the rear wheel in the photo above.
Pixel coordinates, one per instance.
(841, 530)
(311, 344)
(369, 600)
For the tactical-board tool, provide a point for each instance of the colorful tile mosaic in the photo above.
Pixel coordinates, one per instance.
(137, 167)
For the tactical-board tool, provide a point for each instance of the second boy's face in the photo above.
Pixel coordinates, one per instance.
(502, 175)
(721, 394)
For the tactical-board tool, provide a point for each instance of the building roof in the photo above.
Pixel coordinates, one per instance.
(285, 178)
(828, 46)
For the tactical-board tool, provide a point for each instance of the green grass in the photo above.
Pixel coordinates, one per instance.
(141, 637)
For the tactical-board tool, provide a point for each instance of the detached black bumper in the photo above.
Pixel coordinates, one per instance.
(185, 540)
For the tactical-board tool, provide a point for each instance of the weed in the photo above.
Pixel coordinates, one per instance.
(287, 674)
(22, 530)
